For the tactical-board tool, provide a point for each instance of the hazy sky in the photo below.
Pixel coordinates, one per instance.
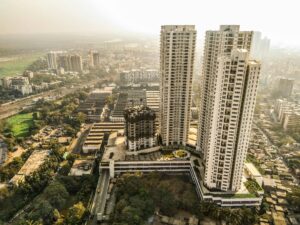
(277, 19)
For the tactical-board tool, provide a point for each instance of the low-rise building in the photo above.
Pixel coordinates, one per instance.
(254, 173)
(33, 163)
(96, 134)
(291, 120)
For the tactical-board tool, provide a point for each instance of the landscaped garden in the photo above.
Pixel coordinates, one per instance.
(252, 186)
(177, 154)
(181, 154)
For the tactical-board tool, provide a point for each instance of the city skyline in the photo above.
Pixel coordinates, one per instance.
(149, 112)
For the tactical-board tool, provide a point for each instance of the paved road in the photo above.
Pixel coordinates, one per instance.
(76, 148)
(99, 202)
(15, 107)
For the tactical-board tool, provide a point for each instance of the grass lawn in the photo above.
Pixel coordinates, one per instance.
(11, 66)
(20, 124)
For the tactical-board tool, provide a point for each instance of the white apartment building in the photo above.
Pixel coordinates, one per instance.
(288, 114)
(177, 52)
(229, 86)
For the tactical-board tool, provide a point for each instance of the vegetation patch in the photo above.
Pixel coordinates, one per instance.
(21, 124)
(16, 65)
(139, 197)
(252, 186)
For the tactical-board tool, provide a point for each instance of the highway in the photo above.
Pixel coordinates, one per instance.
(15, 107)
(99, 201)
(12, 108)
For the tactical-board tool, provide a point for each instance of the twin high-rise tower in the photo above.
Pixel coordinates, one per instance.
(228, 91)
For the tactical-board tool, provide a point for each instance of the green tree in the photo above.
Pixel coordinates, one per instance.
(56, 194)
(43, 210)
(75, 214)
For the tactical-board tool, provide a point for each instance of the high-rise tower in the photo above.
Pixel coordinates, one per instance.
(177, 52)
(229, 86)
(51, 60)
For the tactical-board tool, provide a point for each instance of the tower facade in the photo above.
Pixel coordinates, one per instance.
(70, 62)
(51, 60)
(76, 63)
(228, 93)
(139, 127)
(94, 58)
(177, 52)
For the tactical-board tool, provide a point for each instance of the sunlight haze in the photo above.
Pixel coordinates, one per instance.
(277, 20)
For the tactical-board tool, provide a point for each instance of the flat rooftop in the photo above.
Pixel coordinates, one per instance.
(96, 133)
(252, 169)
(35, 160)
(116, 148)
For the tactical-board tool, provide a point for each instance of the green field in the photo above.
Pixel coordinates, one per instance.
(14, 65)
(20, 124)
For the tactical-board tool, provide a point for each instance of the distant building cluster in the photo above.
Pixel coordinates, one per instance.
(137, 76)
(288, 114)
(23, 84)
(18, 83)
(61, 61)
(260, 46)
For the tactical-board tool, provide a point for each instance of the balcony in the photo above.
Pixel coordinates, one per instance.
(226, 120)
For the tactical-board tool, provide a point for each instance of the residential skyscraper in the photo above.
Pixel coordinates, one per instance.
(177, 52)
(70, 62)
(94, 58)
(51, 60)
(76, 63)
(64, 62)
(229, 85)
